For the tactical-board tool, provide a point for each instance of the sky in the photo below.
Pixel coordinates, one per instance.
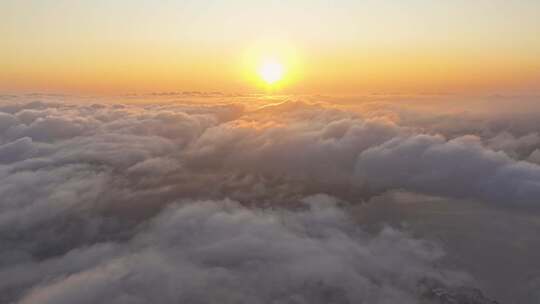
(269, 151)
(331, 47)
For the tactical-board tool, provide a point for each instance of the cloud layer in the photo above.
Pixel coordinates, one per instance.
(206, 202)
(210, 252)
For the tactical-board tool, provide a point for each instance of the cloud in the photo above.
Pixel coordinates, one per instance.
(172, 202)
(535, 157)
(209, 252)
(460, 168)
(516, 147)
(478, 237)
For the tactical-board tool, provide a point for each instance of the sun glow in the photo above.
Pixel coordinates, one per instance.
(271, 66)
(271, 71)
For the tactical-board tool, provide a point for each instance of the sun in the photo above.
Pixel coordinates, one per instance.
(271, 71)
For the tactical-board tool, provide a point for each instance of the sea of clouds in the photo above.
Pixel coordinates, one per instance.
(232, 200)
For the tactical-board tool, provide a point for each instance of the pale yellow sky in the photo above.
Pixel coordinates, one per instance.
(343, 47)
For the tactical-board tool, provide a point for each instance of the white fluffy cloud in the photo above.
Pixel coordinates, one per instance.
(456, 168)
(210, 252)
(128, 203)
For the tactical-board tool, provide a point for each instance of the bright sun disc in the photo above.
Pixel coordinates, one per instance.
(271, 71)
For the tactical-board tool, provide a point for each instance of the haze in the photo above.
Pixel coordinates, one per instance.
(340, 47)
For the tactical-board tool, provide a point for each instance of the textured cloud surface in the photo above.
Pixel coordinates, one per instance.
(219, 252)
(231, 202)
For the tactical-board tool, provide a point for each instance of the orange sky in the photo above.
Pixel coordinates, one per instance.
(336, 47)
